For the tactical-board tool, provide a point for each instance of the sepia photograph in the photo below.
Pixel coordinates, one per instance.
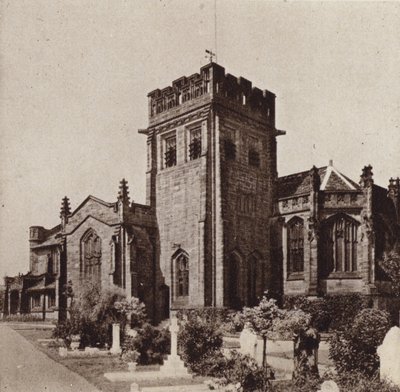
(199, 195)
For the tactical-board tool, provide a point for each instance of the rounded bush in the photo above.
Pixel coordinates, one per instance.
(354, 349)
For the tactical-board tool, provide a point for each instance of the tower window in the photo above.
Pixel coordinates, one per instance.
(170, 151)
(229, 149)
(254, 158)
(195, 144)
(295, 244)
(182, 276)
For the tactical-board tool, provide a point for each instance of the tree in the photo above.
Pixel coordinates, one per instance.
(391, 265)
(261, 319)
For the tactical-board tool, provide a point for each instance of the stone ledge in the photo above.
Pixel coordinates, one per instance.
(143, 376)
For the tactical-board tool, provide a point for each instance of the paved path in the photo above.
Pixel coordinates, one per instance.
(23, 368)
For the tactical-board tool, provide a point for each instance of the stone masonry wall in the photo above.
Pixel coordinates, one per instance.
(180, 201)
(73, 244)
(247, 200)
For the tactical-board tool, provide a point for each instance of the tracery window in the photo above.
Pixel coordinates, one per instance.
(182, 275)
(338, 245)
(90, 255)
(295, 245)
(170, 151)
(195, 143)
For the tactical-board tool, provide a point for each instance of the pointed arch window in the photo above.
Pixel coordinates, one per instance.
(295, 245)
(182, 275)
(338, 246)
(90, 255)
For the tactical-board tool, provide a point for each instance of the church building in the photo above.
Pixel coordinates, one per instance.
(219, 227)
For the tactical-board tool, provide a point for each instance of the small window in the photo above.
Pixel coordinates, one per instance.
(195, 144)
(254, 158)
(170, 151)
(51, 300)
(36, 301)
(229, 149)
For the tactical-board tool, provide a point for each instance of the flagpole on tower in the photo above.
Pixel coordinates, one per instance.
(215, 29)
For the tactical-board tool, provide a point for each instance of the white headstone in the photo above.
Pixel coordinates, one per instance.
(248, 342)
(116, 347)
(329, 386)
(389, 356)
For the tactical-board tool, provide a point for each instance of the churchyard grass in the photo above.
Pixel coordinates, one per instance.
(93, 368)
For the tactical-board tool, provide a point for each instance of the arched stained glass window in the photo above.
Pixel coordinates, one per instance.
(91, 255)
(295, 245)
(182, 275)
(338, 245)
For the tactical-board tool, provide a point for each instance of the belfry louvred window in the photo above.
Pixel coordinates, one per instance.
(195, 144)
(170, 151)
(295, 245)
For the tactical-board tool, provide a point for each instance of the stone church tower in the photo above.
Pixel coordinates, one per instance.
(211, 177)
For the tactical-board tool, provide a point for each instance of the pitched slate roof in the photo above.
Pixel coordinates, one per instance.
(299, 183)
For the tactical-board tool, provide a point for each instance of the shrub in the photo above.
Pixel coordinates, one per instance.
(65, 330)
(151, 344)
(331, 312)
(358, 382)
(198, 338)
(245, 374)
(355, 348)
(93, 311)
(233, 323)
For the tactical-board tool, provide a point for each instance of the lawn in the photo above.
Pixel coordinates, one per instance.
(93, 368)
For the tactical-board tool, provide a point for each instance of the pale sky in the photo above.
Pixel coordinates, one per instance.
(75, 77)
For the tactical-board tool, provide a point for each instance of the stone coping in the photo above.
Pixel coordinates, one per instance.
(143, 376)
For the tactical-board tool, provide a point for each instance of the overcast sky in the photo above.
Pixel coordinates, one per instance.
(75, 75)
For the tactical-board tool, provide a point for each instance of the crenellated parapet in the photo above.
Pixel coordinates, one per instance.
(211, 83)
(37, 234)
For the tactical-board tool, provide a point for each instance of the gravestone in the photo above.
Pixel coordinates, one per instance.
(389, 356)
(248, 342)
(329, 386)
(305, 354)
(174, 366)
(116, 346)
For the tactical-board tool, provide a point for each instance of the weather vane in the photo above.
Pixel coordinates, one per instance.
(210, 55)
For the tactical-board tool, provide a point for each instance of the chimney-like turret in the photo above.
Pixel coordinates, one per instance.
(65, 211)
(123, 194)
(366, 180)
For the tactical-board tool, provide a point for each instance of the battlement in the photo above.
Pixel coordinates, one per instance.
(212, 83)
(37, 233)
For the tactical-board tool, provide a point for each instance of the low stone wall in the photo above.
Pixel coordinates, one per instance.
(87, 352)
